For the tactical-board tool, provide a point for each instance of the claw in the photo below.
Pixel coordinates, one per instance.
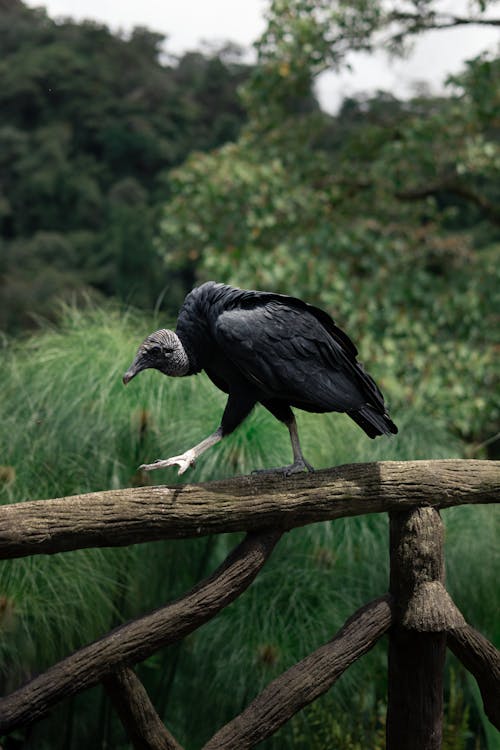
(184, 461)
(297, 467)
(287, 471)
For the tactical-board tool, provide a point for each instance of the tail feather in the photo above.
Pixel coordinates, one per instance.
(373, 422)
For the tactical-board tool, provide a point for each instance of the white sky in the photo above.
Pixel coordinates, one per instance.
(187, 23)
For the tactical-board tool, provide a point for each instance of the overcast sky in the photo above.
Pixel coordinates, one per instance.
(186, 23)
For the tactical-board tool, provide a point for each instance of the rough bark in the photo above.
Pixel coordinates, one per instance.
(128, 516)
(305, 681)
(144, 728)
(136, 640)
(482, 660)
(423, 614)
(417, 641)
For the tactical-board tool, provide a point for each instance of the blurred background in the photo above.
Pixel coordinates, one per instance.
(345, 152)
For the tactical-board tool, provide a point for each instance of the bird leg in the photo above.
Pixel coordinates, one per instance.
(238, 406)
(299, 462)
(187, 459)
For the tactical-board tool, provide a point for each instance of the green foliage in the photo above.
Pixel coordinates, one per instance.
(305, 37)
(455, 730)
(386, 214)
(91, 123)
(70, 426)
(318, 727)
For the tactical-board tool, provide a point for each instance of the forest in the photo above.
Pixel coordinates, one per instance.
(129, 175)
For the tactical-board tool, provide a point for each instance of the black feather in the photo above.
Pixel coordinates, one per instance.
(269, 348)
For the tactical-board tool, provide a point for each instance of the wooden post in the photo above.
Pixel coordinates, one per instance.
(417, 641)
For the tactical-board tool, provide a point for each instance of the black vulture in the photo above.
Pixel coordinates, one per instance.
(261, 347)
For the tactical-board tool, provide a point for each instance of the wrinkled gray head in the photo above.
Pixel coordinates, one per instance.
(161, 350)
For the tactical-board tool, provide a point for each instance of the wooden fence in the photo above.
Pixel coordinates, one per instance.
(417, 613)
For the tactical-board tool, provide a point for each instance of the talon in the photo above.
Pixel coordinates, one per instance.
(287, 471)
(184, 467)
(148, 467)
(184, 462)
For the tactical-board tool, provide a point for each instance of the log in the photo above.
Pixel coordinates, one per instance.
(138, 639)
(482, 660)
(306, 680)
(144, 728)
(128, 516)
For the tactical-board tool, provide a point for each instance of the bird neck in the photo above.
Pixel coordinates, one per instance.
(193, 332)
(188, 362)
(180, 360)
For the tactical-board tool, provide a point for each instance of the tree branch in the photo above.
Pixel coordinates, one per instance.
(487, 208)
(305, 681)
(436, 21)
(482, 659)
(144, 727)
(138, 639)
(128, 516)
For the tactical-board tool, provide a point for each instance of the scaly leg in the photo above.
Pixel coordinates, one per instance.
(239, 405)
(283, 412)
(299, 462)
(187, 459)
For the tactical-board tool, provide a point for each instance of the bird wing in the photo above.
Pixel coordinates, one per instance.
(292, 351)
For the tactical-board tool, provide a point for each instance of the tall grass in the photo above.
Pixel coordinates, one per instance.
(70, 426)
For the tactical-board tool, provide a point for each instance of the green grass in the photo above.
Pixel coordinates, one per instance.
(70, 426)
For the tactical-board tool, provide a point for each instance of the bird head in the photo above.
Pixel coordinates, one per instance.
(161, 350)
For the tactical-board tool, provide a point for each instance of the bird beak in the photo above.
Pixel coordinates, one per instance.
(132, 371)
(128, 376)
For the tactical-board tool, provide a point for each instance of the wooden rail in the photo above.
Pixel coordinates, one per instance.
(417, 612)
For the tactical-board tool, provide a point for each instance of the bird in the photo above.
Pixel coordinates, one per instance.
(268, 348)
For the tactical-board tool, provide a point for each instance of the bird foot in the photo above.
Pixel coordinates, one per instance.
(287, 471)
(184, 461)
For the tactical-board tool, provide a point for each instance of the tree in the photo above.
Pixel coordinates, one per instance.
(85, 111)
(305, 37)
(386, 213)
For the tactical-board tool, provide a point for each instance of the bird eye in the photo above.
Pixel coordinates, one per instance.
(155, 350)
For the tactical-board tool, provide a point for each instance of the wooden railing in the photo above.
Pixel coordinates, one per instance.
(417, 612)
